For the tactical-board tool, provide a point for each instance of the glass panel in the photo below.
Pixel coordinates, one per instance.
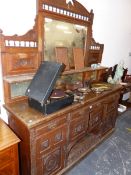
(65, 35)
(18, 89)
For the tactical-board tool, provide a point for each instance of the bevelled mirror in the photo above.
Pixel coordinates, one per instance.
(62, 40)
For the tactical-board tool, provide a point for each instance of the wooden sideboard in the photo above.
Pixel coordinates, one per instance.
(8, 151)
(50, 144)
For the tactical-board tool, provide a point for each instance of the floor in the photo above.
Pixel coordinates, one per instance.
(113, 156)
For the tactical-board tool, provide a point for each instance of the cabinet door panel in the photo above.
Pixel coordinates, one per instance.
(20, 63)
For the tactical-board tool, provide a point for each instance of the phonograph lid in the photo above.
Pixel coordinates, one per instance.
(44, 80)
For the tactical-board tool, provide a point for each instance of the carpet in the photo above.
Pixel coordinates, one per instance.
(111, 157)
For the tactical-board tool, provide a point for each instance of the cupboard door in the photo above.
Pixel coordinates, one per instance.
(110, 113)
(96, 112)
(53, 161)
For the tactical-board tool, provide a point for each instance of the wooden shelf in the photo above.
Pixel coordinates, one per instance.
(18, 78)
(86, 69)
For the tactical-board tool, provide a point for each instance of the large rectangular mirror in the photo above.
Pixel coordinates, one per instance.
(62, 40)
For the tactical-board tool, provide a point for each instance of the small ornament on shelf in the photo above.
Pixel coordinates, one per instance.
(69, 2)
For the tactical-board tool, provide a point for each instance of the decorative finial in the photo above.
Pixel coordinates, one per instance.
(69, 2)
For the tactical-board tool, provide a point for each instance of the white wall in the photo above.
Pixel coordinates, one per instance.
(112, 25)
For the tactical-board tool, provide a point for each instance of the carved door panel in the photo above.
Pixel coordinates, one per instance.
(52, 162)
(19, 63)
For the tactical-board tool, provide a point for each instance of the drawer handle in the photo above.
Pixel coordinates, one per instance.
(52, 125)
(78, 129)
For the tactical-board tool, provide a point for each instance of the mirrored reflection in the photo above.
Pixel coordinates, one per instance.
(60, 38)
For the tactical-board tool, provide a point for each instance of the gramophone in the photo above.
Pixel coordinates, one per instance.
(41, 93)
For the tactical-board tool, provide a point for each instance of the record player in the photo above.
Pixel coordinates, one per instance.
(41, 93)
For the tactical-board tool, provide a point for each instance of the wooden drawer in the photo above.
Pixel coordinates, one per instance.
(6, 156)
(95, 119)
(9, 161)
(96, 107)
(111, 106)
(8, 169)
(111, 103)
(8, 151)
(49, 126)
(82, 112)
(79, 123)
(77, 129)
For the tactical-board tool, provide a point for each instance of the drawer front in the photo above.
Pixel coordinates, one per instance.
(111, 103)
(9, 169)
(51, 139)
(6, 156)
(51, 125)
(96, 107)
(79, 123)
(111, 106)
(80, 113)
(77, 129)
(95, 119)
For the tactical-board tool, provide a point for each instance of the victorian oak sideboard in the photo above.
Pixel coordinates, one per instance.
(50, 144)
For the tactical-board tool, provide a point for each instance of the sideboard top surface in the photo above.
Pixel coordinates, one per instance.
(31, 117)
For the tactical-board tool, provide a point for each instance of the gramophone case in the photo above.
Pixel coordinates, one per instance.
(42, 85)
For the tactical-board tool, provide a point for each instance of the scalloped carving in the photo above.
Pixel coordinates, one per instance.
(72, 10)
